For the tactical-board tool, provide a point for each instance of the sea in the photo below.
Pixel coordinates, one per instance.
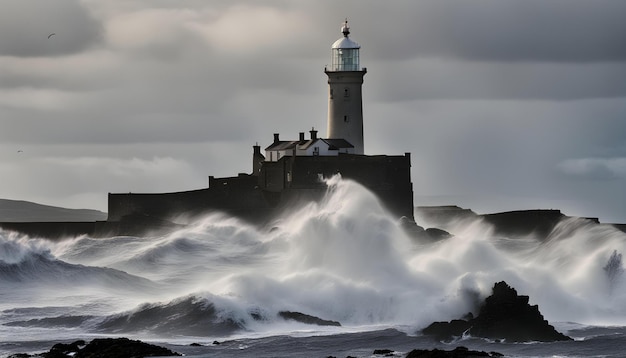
(216, 288)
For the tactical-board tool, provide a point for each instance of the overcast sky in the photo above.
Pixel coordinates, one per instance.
(503, 105)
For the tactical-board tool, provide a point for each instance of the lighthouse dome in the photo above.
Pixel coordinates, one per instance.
(345, 42)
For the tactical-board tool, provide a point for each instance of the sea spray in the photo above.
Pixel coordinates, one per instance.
(343, 259)
(573, 257)
(15, 248)
(614, 270)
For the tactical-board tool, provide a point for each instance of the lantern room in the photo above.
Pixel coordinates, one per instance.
(345, 52)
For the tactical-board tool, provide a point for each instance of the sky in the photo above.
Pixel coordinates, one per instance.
(503, 104)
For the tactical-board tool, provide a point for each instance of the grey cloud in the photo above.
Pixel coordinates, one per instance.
(497, 147)
(441, 79)
(128, 127)
(492, 115)
(26, 25)
(500, 30)
(595, 168)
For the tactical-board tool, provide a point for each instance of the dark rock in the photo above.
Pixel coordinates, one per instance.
(59, 350)
(63, 349)
(539, 222)
(195, 345)
(304, 318)
(458, 352)
(103, 348)
(437, 234)
(122, 348)
(525, 222)
(441, 216)
(504, 315)
(446, 330)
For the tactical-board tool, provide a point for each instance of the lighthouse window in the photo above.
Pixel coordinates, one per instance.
(345, 119)
(346, 92)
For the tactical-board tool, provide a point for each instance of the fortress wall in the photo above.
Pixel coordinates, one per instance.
(234, 195)
(242, 181)
(389, 177)
(256, 198)
(398, 201)
(371, 171)
(273, 175)
(161, 205)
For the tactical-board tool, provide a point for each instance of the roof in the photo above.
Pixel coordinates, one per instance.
(333, 144)
(283, 145)
(338, 143)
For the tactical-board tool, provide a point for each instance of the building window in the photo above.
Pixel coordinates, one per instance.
(316, 150)
(331, 93)
(345, 119)
(346, 92)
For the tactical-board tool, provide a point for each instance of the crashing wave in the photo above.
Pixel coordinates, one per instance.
(614, 269)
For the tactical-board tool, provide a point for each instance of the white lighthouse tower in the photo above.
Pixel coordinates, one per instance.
(345, 103)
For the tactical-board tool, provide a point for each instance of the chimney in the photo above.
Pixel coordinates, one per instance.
(257, 160)
(301, 136)
(276, 140)
(313, 134)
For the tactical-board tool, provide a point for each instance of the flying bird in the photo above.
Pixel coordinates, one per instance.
(52, 34)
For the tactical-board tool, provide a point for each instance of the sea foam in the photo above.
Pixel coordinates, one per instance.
(343, 259)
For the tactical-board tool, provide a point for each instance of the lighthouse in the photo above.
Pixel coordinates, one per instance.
(345, 102)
